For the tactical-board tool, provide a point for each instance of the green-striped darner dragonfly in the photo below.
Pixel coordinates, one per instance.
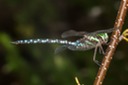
(88, 41)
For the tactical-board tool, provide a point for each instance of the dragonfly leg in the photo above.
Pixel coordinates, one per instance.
(94, 56)
(101, 49)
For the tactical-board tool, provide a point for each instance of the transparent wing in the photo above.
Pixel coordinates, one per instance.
(64, 47)
(102, 31)
(60, 49)
(71, 33)
(71, 47)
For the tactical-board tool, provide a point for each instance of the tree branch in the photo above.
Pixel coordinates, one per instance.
(113, 43)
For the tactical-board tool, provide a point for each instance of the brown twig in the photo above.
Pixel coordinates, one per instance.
(113, 43)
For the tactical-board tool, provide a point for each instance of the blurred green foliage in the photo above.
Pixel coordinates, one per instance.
(37, 64)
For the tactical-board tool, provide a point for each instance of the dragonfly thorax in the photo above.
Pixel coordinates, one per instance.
(90, 41)
(103, 38)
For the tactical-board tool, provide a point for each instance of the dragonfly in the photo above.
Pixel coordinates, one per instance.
(88, 40)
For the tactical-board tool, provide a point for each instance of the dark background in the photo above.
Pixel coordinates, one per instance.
(36, 64)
